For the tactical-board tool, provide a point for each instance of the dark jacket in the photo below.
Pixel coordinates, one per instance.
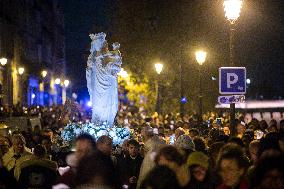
(129, 167)
(7, 179)
(242, 185)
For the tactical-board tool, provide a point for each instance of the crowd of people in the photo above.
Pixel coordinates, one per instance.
(164, 152)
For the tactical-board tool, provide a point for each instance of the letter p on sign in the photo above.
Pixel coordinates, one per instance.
(232, 78)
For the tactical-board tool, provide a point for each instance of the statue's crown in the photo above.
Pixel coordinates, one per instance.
(96, 36)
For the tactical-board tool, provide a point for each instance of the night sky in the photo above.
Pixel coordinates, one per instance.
(259, 37)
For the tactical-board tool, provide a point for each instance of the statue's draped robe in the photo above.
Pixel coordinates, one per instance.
(103, 87)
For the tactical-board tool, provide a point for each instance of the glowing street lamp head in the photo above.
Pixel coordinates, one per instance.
(66, 82)
(200, 56)
(232, 9)
(159, 67)
(3, 61)
(57, 81)
(44, 73)
(248, 81)
(21, 70)
(89, 103)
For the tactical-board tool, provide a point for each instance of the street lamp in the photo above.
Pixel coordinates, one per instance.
(159, 69)
(3, 61)
(232, 10)
(57, 81)
(44, 73)
(21, 70)
(200, 58)
(248, 81)
(66, 83)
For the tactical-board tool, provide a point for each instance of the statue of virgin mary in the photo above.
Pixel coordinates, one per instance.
(101, 74)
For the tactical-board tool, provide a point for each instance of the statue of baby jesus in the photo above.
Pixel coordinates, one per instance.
(99, 50)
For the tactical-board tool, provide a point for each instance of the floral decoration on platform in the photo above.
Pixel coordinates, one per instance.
(117, 133)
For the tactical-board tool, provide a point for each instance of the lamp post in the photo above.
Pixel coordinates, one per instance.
(232, 10)
(4, 87)
(65, 85)
(58, 91)
(21, 71)
(159, 69)
(182, 100)
(42, 88)
(200, 58)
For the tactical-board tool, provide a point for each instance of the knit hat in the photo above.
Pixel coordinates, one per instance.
(185, 142)
(198, 158)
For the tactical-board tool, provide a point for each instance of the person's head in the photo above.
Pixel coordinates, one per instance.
(160, 177)
(4, 146)
(161, 130)
(46, 142)
(133, 148)
(199, 144)
(18, 143)
(96, 171)
(273, 122)
(85, 144)
(232, 164)
(263, 125)
(147, 132)
(272, 128)
(178, 132)
(36, 138)
(104, 144)
(193, 133)
(269, 145)
(169, 156)
(198, 164)
(40, 151)
(269, 173)
(226, 130)
(185, 144)
(125, 146)
(185, 125)
(240, 129)
(236, 140)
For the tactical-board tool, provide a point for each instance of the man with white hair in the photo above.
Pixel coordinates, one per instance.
(152, 145)
(17, 153)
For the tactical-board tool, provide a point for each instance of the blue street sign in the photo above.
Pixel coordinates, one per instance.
(232, 80)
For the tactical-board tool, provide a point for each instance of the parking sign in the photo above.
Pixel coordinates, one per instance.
(232, 80)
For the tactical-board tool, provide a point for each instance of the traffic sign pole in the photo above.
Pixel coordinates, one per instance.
(232, 80)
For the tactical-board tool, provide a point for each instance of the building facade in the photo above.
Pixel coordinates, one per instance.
(32, 41)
